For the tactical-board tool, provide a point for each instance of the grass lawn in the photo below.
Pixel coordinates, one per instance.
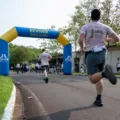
(117, 73)
(79, 73)
(6, 86)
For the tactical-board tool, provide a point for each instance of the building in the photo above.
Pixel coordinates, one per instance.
(78, 59)
(112, 55)
(111, 58)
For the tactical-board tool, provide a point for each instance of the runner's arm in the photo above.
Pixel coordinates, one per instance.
(82, 38)
(49, 57)
(112, 36)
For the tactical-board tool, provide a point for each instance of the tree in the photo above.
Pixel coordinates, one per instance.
(81, 16)
(110, 15)
(19, 55)
(35, 52)
(11, 47)
(52, 46)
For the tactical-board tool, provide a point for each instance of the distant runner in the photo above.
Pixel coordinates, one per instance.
(45, 58)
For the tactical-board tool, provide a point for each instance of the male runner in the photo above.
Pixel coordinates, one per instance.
(45, 57)
(91, 42)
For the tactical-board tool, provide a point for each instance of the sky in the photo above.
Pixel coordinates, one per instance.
(34, 14)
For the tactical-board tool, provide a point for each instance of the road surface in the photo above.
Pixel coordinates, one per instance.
(67, 98)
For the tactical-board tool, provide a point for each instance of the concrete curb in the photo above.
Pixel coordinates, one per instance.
(8, 112)
(40, 108)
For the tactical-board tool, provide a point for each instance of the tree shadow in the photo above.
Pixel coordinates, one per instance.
(61, 115)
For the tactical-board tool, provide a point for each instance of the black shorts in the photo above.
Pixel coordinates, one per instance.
(95, 61)
(118, 69)
(36, 68)
(45, 67)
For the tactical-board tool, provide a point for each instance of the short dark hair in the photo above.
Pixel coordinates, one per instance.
(95, 14)
(43, 50)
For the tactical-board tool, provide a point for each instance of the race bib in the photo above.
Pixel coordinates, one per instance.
(97, 49)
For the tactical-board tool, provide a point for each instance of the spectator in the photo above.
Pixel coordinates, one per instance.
(118, 64)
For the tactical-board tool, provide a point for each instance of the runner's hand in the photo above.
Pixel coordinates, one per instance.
(108, 40)
(82, 51)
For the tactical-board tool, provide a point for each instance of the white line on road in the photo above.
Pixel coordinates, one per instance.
(39, 103)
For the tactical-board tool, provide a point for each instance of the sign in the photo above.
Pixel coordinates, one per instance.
(3, 58)
(68, 59)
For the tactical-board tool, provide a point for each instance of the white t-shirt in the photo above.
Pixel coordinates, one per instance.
(62, 66)
(27, 66)
(81, 69)
(36, 65)
(118, 64)
(95, 34)
(44, 57)
(18, 66)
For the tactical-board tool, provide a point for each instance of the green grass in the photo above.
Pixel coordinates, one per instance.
(6, 86)
(117, 73)
(79, 73)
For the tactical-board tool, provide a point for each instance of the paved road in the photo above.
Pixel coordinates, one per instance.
(68, 98)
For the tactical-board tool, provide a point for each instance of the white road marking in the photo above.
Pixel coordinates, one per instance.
(44, 112)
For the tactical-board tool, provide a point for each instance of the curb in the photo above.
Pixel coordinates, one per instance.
(8, 112)
(31, 98)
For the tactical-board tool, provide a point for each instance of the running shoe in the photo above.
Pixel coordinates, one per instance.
(98, 103)
(46, 80)
(110, 75)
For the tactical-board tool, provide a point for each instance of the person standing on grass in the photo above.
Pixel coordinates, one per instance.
(91, 42)
(118, 65)
(45, 58)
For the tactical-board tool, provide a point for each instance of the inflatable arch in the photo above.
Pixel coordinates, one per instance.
(35, 33)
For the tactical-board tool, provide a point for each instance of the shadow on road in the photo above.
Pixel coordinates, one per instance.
(62, 115)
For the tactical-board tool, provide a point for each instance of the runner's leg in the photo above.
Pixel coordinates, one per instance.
(45, 74)
(94, 65)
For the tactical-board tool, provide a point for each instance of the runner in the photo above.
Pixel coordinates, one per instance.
(91, 42)
(45, 58)
(18, 68)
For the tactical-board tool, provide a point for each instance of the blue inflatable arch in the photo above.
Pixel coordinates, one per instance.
(35, 33)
